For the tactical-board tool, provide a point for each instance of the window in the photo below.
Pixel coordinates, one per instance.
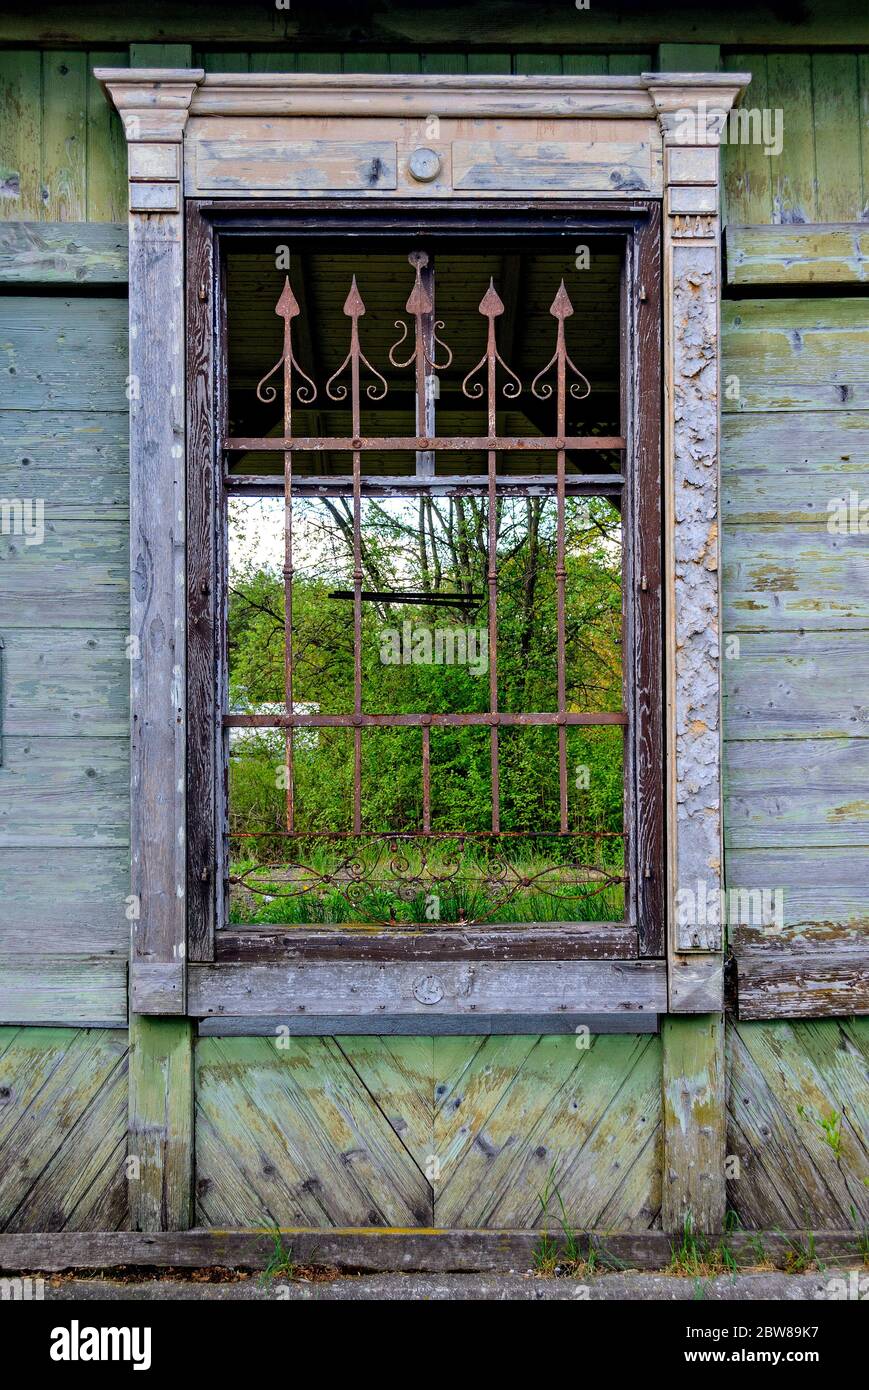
(424, 577)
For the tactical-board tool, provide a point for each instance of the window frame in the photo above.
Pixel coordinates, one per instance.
(210, 225)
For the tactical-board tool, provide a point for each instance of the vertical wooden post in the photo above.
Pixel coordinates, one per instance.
(691, 114)
(694, 1123)
(160, 1143)
(154, 105)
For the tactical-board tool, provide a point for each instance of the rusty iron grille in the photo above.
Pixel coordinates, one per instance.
(426, 860)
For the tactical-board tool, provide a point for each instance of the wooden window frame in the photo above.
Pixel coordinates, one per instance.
(578, 138)
(211, 225)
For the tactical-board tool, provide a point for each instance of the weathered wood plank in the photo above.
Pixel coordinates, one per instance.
(803, 982)
(780, 686)
(789, 83)
(79, 568)
(823, 891)
(59, 253)
(66, 684)
(793, 578)
(379, 1249)
(807, 460)
(746, 168)
(76, 461)
(161, 1123)
(106, 147)
(835, 102)
(795, 354)
(62, 1129)
(38, 988)
(797, 793)
(527, 166)
(264, 165)
(818, 255)
(291, 1128)
(437, 1025)
(20, 133)
(530, 941)
(400, 988)
(694, 1121)
(63, 354)
(78, 908)
(64, 136)
(158, 596)
(798, 1091)
(64, 792)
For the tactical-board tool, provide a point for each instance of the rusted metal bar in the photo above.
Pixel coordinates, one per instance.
(411, 443)
(426, 778)
(503, 718)
(408, 485)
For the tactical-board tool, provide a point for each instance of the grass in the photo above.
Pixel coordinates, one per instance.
(368, 883)
(695, 1257)
(280, 1264)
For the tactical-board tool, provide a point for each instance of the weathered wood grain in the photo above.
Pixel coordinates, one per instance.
(40, 988)
(20, 133)
(803, 982)
(785, 1080)
(807, 460)
(60, 253)
(366, 988)
(835, 104)
(746, 171)
(439, 1025)
(79, 568)
(530, 941)
(829, 254)
(271, 165)
(64, 136)
(694, 1120)
(66, 683)
(48, 348)
(64, 792)
(379, 1249)
(62, 1129)
(823, 891)
(801, 793)
(533, 167)
(78, 908)
(77, 462)
(794, 178)
(160, 1123)
(795, 354)
(106, 150)
(793, 578)
(803, 685)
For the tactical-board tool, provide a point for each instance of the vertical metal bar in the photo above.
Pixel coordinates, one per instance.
(426, 381)
(492, 578)
(357, 579)
(288, 586)
(560, 578)
(426, 778)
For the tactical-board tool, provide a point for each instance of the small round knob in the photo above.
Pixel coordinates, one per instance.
(424, 165)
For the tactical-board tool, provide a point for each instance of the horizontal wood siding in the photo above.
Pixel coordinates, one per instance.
(796, 611)
(64, 606)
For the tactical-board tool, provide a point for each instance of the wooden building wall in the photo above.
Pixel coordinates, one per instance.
(343, 1131)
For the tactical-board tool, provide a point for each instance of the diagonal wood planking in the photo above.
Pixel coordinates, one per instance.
(785, 1079)
(63, 1137)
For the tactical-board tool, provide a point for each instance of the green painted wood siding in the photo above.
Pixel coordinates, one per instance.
(62, 155)
(796, 609)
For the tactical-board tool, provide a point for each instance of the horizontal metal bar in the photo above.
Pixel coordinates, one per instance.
(318, 444)
(335, 485)
(427, 835)
(417, 721)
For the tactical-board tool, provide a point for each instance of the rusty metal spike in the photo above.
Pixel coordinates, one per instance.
(561, 307)
(354, 307)
(287, 306)
(492, 304)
